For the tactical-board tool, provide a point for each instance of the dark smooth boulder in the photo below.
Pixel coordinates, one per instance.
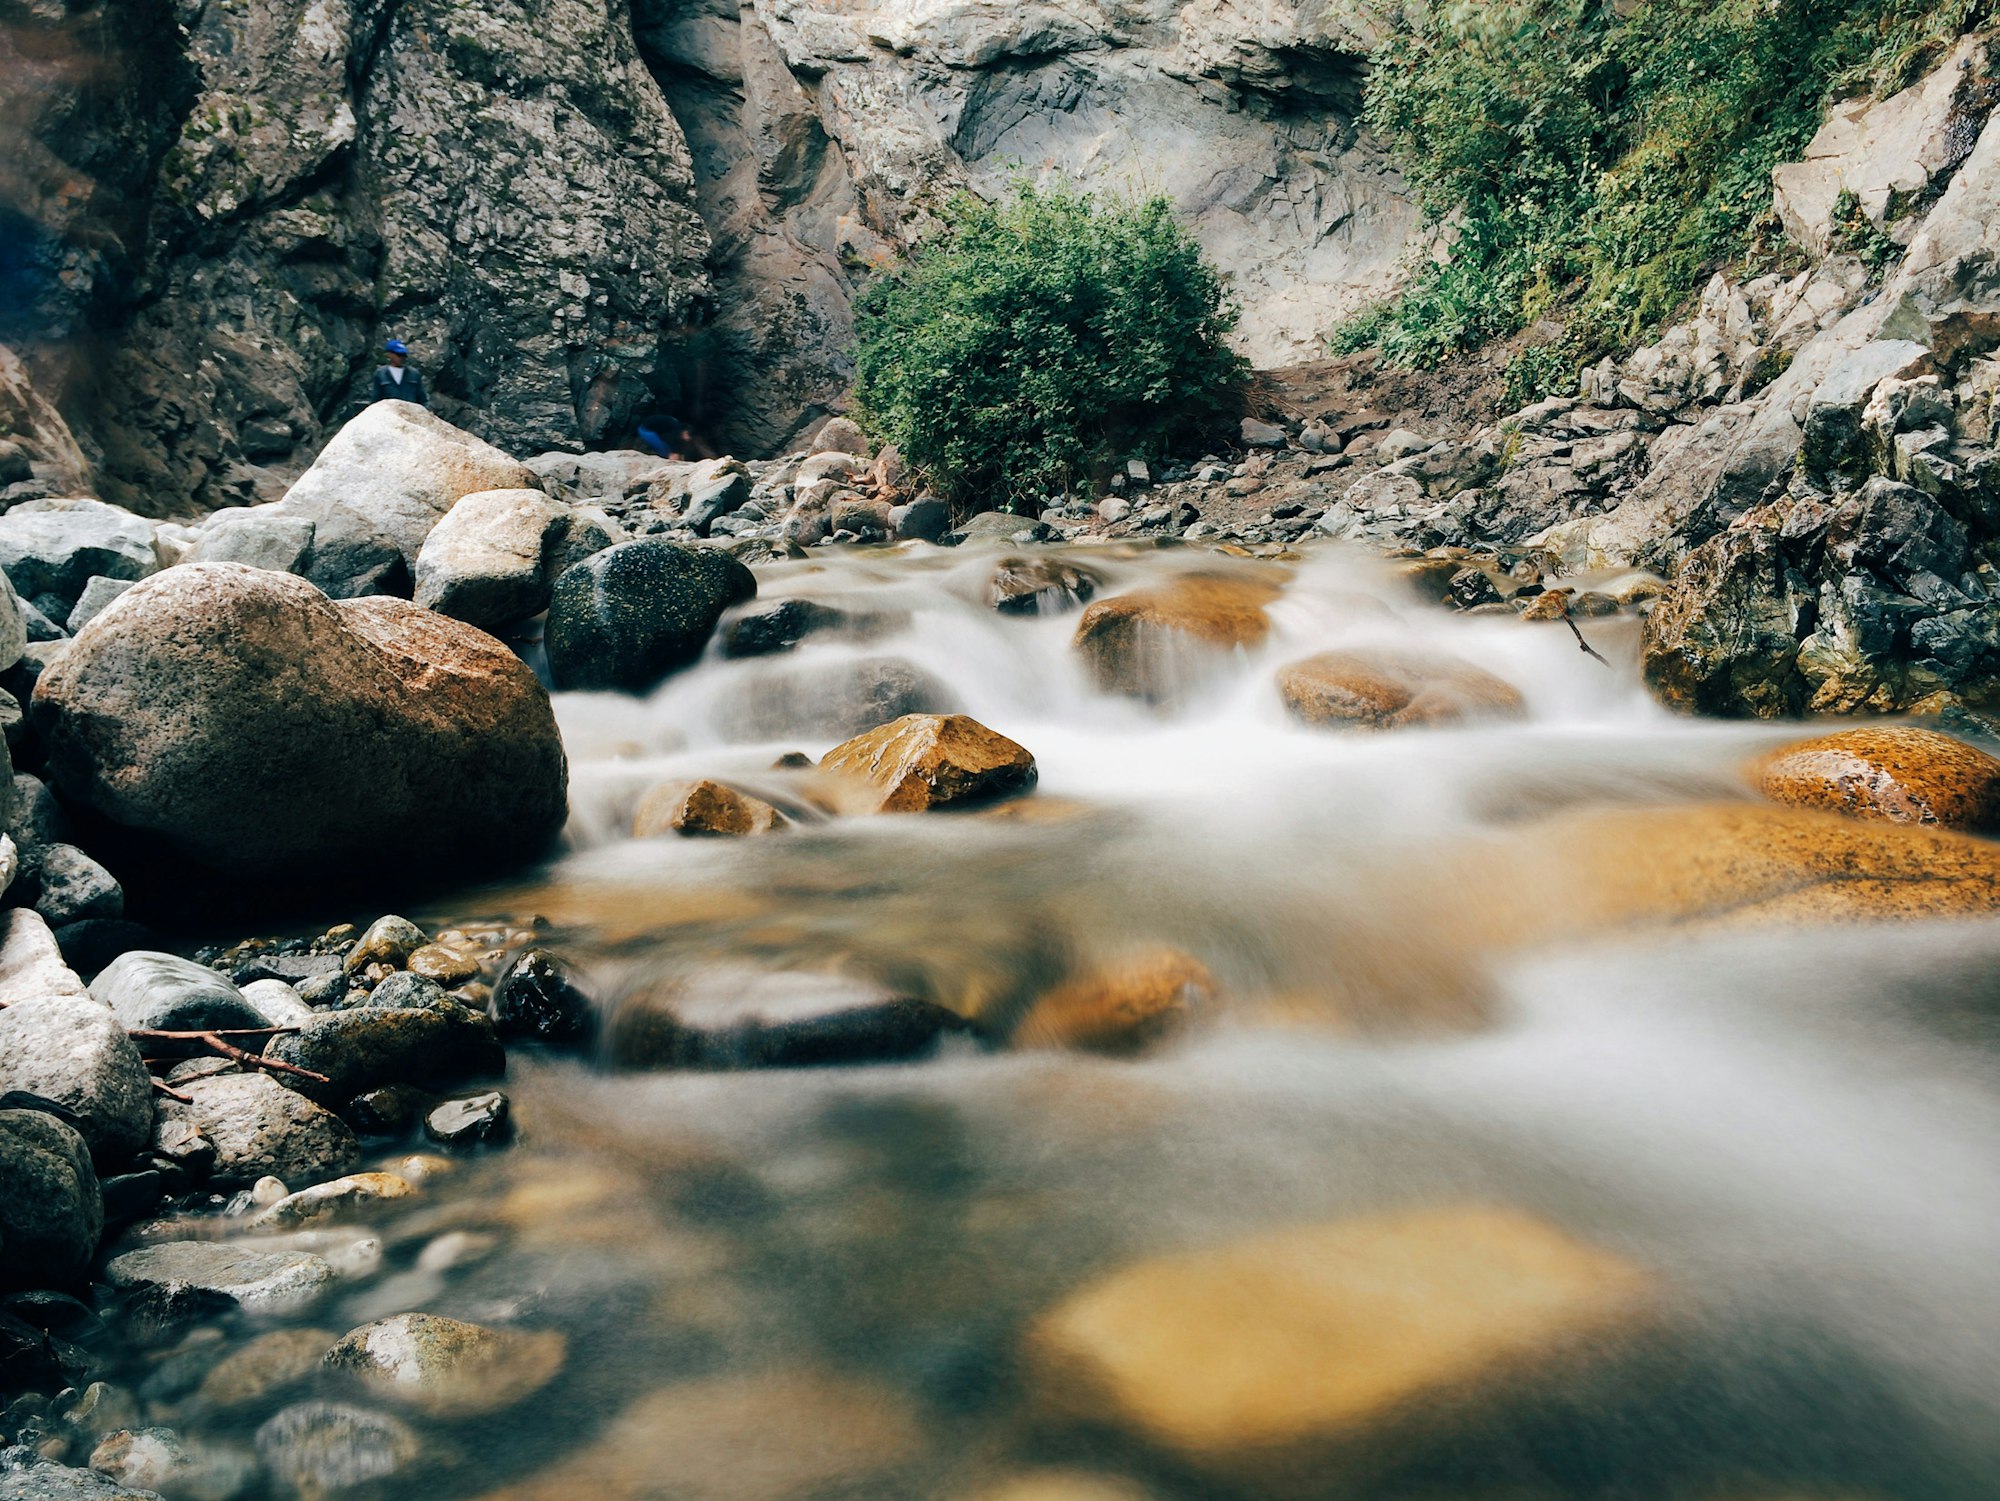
(624, 619)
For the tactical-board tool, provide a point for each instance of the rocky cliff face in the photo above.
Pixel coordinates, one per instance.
(573, 211)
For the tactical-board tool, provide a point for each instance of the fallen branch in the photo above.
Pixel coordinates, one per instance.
(172, 1094)
(1584, 646)
(213, 1041)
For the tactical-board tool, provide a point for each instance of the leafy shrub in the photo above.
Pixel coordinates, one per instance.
(1040, 339)
(1541, 370)
(1598, 159)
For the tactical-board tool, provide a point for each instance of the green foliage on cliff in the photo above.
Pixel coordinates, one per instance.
(1042, 338)
(1596, 160)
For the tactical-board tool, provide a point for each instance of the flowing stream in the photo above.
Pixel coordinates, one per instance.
(1795, 1131)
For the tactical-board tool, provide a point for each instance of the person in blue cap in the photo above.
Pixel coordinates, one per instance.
(399, 380)
(667, 437)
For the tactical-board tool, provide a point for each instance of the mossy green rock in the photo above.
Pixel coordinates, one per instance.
(624, 619)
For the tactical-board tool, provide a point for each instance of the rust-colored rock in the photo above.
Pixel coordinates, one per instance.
(1119, 1008)
(1388, 690)
(1157, 643)
(1272, 1361)
(924, 761)
(702, 807)
(1898, 773)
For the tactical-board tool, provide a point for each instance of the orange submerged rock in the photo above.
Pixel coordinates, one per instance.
(702, 807)
(1119, 1008)
(1386, 690)
(1153, 643)
(1898, 773)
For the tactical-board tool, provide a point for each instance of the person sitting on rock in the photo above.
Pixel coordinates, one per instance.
(399, 380)
(666, 437)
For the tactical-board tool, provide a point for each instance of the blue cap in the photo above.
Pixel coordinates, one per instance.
(397, 346)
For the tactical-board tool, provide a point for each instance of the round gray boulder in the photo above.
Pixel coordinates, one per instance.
(72, 1050)
(51, 1213)
(149, 989)
(261, 729)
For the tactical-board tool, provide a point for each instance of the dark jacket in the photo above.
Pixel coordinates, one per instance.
(409, 388)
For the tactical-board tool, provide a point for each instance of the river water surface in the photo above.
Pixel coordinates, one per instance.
(806, 1283)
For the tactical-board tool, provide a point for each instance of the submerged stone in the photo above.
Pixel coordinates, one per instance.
(742, 1018)
(702, 807)
(1387, 690)
(319, 1448)
(1159, 642)
(260, 1281)
(447, 1368)
(1897, 773)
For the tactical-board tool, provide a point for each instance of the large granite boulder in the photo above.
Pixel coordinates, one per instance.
(493, 559)
(392, 473)
(627, 617)
(72, 1052)
(257, 727)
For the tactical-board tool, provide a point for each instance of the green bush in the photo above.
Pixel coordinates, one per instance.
(1597, 160)
(1041, 339)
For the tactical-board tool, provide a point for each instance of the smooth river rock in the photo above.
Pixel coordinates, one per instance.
(263, 730)
(374, 1045)
(1388, 690)
(52, 548)
(321, 1448)
(73, 1051)
(1119, 1007)
(260, 1128)
(1160, 642)
(1270, 1361)
(446, 1368)
(1898, 773)
(50, 1213)
(925, 761)
(702, 807)
(731, 1017)
(146, 988)
(259, 1281)
(627, 617)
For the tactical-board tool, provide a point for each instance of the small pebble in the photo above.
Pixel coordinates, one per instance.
(471, 1121)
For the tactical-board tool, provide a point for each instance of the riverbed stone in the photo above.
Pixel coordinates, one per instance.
(51, 1213)
(258, 1281)
(53, 548)
(700, 807)
(26, 1476)
(74, 887)
(369, 1046)
(1119, 1007)
(1270, 1360)
(446, 1368)
(781, 1435)
(926, 761)
(257, 536)
(538, 1000)
(260, 1128)
(732, 1017)
(89, 945)
(267, 1364)
(766, 628)
(409, 992)
(624, 619)
(388, 940)
(31, 961)
(1039, 586)
(163, 991)
(160, 1459)
(278, 1003)
(322, 1448)
(72, 1050)
(1159, 642)
(263, 730)
(340, 1199)
(447, 964)
(493, 559)
(830, 699)
(1899, 773)
(484, 1119)
(1388, 690)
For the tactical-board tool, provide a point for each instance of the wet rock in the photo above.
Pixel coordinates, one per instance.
(625, 618)
(409, 992)
(159, 1459)
(773, 1436)
(494, 558)
(1119, 1008)
(1895, 772)
(74, 887)
(262, 730)
(51, 1213)
(1000, 527)
(926, 761)
(26, 1476)
(374, 1045)
(1157, 643)
(31, 962)
(1059, 1485)
(924, 519)
(278, 1003)
(1039, 586)
(342, 1198)
(258, 1127)
(392, 472)
(471, 1121)
(702, 807)
(265, 1366)
(765, 629)
(538, 1000)
(1370, 1336)
(319, 1448)
(158, 990)
(388, 940)
(1387, 690)
(719, 495)
(257, 1281)
(445, 964)
(446, 1368)
(53, 548)
(392, 1110)
(831, 699)
(73, 1051)
(741, 1018)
